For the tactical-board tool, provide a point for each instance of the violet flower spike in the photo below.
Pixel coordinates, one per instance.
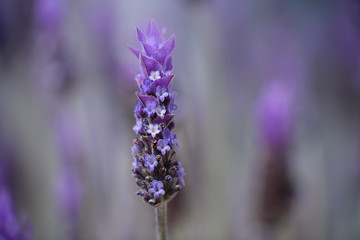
(159, 175)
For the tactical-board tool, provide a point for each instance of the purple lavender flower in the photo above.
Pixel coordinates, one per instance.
(161, 93)
(163, 146)
(150, 108)
(153, 129)
(154, 112)
(154, 75)
(157, 188)
(160, 111)
(150, 162)
(170, 137)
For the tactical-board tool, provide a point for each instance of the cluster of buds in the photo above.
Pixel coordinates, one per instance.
(156, 171)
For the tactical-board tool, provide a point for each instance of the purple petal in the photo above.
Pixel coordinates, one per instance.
(165, 50)
(160, 55)
(153, 34)
(168, 64)
(145, 98)
(152, 167)
(149, 49)
(148, 65)
(156, 195)
(170, 44)
(143, 69)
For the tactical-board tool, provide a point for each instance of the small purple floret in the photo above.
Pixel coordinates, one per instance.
(161, 93)
(150, 108)
(163, 146)
(154, 75)
(153, 129)
(161, 111)
(156, 188)
(150, 162)
(170, 137)
(167, 134)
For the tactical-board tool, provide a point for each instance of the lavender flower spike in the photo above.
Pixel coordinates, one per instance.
(156, 171)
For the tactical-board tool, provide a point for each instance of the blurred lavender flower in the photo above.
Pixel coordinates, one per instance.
(157, 173)
(275, 124)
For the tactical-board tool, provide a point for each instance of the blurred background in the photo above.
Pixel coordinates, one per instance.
(268, 96)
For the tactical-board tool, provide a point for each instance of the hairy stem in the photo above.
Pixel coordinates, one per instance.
(161, 230)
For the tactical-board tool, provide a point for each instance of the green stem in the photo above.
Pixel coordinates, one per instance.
(160, 212)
